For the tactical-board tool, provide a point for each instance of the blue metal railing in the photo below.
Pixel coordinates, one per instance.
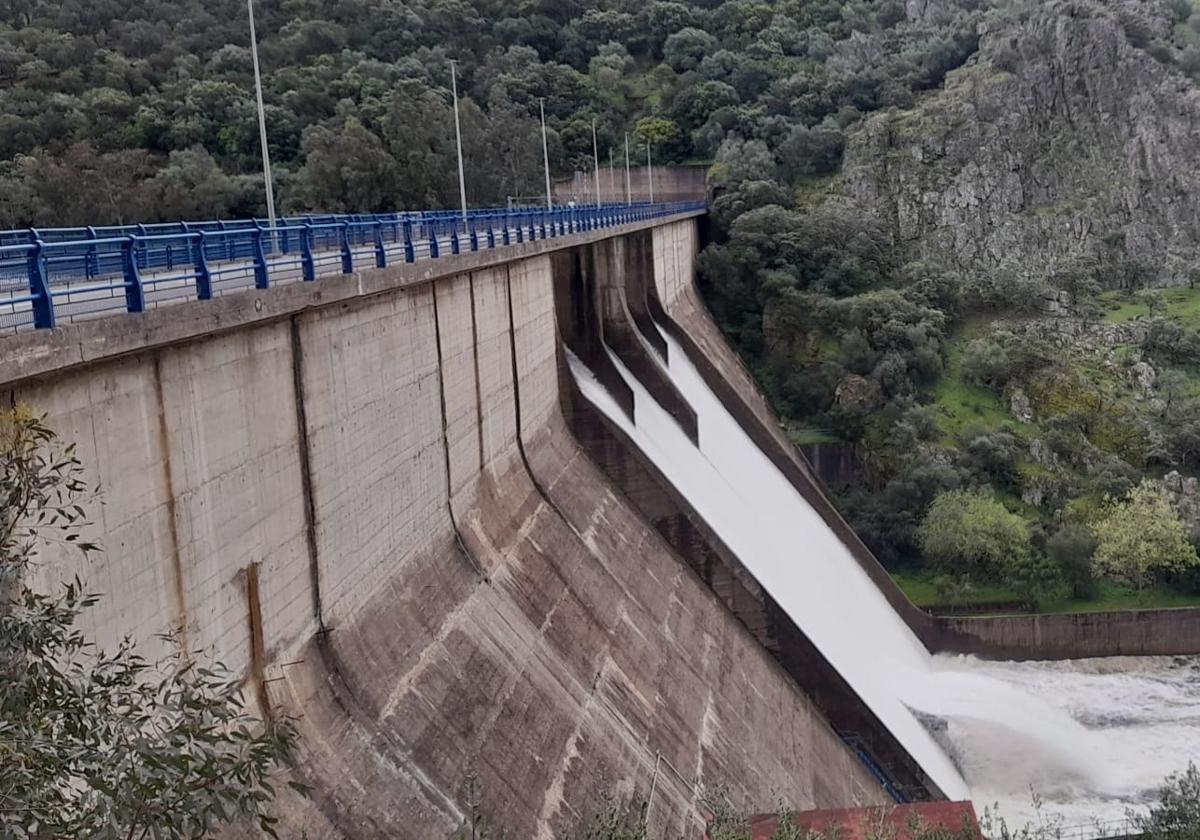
(48, 275)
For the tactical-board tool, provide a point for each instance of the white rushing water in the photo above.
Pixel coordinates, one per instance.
(1134, 719)
(980, 730)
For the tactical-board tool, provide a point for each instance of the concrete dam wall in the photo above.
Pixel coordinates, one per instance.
(369, 496)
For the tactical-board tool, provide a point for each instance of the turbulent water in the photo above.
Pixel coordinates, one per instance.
(1090, 738)
(1128, 723)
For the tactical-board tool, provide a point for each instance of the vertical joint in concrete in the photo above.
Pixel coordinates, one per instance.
(478, 386)
(306, 484)
(164, 442)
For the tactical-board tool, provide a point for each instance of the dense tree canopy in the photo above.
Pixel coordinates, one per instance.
(358, 102)
(1142, 536)
(970, 534)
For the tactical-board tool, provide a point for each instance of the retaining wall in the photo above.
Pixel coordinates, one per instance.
(1170, 632)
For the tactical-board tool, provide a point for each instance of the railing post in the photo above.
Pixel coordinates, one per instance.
(228, 241)
(491, 231)
(455, 247)
(91, 266)
(204, 290)
(135, 293)
(380, 251)
(435, 250)
(347, 254)
(143, 250)
(308, 265)
(520, 229)
(39, 288)
(506, 235)
(261, 280)
(410, 252)
(474, 234)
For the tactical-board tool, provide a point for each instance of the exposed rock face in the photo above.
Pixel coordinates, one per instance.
(1020, 406)
(1143, 376)
(858, 393)
(1059, 139)
(1184, 496)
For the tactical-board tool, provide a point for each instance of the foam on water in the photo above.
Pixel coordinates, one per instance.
(985, 730)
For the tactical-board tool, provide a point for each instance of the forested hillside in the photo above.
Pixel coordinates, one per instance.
(971, 299)
(128, 110)
(930, 217)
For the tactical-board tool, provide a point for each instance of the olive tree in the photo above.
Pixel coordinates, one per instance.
(106, 744)
(1176, 814)
(1141, 536)
(970, 535)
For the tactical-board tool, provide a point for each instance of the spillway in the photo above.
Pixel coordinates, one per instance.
(975, 728)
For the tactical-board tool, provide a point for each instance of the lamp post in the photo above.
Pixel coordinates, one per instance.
(628, 183)
(596, 161)
(612, 177)
(545, 154)
(462, 182)
(262, 122)
(650, 171)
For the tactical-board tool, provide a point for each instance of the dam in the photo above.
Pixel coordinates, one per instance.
(507, 509)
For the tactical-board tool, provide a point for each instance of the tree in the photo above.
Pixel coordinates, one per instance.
(969, 535)
(985, 362)
(192, 186)
(1071, 547)
(104, 744)
(685, 49)
(661, 133)
(348, 170)
(1033, 576)
(811, 151)
(1140, 537)
(1176, 814)
(992, 458)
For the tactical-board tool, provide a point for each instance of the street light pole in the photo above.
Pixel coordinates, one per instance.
(262, 121)
(612, 177)
(546, 154)
(596, 161)
(462, 182)
(628, 183)
(650, 171)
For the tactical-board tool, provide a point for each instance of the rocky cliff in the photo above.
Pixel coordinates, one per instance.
(1072, 132)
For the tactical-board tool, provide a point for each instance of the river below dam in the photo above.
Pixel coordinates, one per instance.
(1091, 739)
(1133, 721)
